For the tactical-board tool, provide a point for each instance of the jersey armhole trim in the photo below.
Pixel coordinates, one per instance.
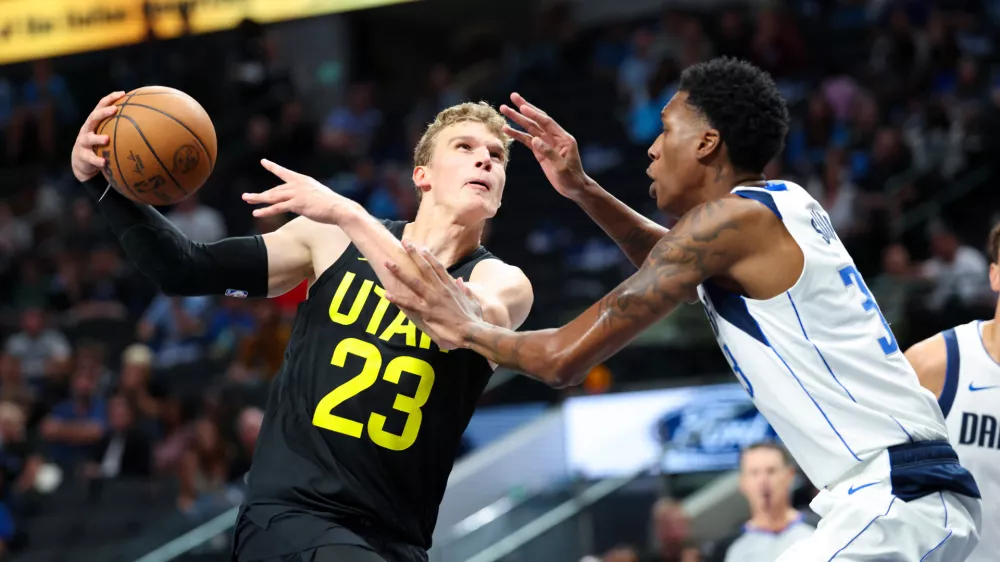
(763, 197)
(953, 364)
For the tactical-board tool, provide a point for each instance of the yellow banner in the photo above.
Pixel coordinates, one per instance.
(31, 29)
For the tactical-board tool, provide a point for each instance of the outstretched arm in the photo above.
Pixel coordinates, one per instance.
(503, 292)
(707, 242)
(557, 152)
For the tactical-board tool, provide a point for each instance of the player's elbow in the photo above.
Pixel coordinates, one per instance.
(566, 370)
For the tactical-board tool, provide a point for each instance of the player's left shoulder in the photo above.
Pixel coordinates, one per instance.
(503, 285)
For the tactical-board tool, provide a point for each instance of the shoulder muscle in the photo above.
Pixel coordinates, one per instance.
(505, 285)
(929, 359)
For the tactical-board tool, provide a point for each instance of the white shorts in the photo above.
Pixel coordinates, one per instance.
(866, 515)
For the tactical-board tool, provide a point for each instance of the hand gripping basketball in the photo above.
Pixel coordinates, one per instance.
(84, 160)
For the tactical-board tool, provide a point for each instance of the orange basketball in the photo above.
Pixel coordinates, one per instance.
(162, 146)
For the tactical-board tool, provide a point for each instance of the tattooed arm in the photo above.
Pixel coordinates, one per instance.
(635, 234)
(707, 242)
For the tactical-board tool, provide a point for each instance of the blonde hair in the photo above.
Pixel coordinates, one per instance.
(478, 112)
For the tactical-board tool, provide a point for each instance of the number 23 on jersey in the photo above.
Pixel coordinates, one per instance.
(369, 375)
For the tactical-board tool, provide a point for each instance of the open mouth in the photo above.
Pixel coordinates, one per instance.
(480, 183)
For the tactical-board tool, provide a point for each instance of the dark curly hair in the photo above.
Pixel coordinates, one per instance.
(743, 103)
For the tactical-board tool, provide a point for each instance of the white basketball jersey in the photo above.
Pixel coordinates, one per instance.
(970, 401)
(819, 360)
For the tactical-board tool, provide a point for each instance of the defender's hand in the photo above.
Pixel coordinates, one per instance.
(300, 194)
(439, 305)
(85, 163)
(554, 148)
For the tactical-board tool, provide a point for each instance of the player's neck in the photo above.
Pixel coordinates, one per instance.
(441, 233)
(991, 336)
(775, 520)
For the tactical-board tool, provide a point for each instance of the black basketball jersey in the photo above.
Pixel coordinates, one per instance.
(365, 417)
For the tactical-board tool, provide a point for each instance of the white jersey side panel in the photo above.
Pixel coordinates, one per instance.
(819, 360)
(970, 401)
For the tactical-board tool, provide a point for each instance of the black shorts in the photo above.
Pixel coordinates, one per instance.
(299, 537)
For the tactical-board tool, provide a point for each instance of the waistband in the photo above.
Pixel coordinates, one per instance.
(926, 467)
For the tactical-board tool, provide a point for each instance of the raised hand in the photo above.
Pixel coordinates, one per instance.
(438, 304)
(554, 148)
(300, 194)
(84, 161)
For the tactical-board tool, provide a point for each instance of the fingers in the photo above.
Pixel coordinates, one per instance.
(89, 157)
(419, 260)
(92, 140)
(281, 172)
(535, 114)
(98, 115)
(524, 122)
(279, 209)
(519, 136)
(274, 195)
(439, 270)
(109, 99)
(407, 278)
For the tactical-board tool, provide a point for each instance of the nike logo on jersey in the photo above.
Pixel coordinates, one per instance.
(362, 259)
(850, 492)
(974, 388)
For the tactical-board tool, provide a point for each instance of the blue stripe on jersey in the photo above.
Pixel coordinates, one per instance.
(815, 403)
(775, 186)
(952, 365)
(818, 352)
(762, 196)
(733, 308)
(908, 436)
(887, 510)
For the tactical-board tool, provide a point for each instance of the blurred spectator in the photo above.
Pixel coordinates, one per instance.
(73, 428)
(610, 51)
(204, 467)
(634, 73)
(734, 40)
(777, 46)
(247, 429)
(174, 328)
(13, 388)
(766, 477)
(41, 350)
(19, 457)
(178, 434)
(124, 451)
(895, 286)
(135, 386)
(439, 93)
(350, 129)
(959, 272)
(31, 289)
(45, 103)
(198, 222)
(84, 229)
(15, 234)
(260, 355)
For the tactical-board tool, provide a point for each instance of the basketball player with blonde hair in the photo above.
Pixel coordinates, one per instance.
(365, 416)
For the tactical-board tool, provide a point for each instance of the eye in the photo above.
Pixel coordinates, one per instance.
(464, 146)
(497, 156)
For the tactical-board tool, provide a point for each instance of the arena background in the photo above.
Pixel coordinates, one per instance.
(896, 109)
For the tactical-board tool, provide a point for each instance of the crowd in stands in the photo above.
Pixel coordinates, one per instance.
(893, 101)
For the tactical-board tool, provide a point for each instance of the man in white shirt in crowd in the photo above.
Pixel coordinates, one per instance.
(767, 474)
(959, 272)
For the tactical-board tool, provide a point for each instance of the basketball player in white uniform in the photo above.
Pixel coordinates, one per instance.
(961, 366)
(792, 315)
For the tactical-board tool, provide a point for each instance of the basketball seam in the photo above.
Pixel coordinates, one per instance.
(175, 120)
(114, 149)
(153, 152)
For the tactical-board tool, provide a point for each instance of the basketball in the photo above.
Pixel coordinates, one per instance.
(161, 147)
